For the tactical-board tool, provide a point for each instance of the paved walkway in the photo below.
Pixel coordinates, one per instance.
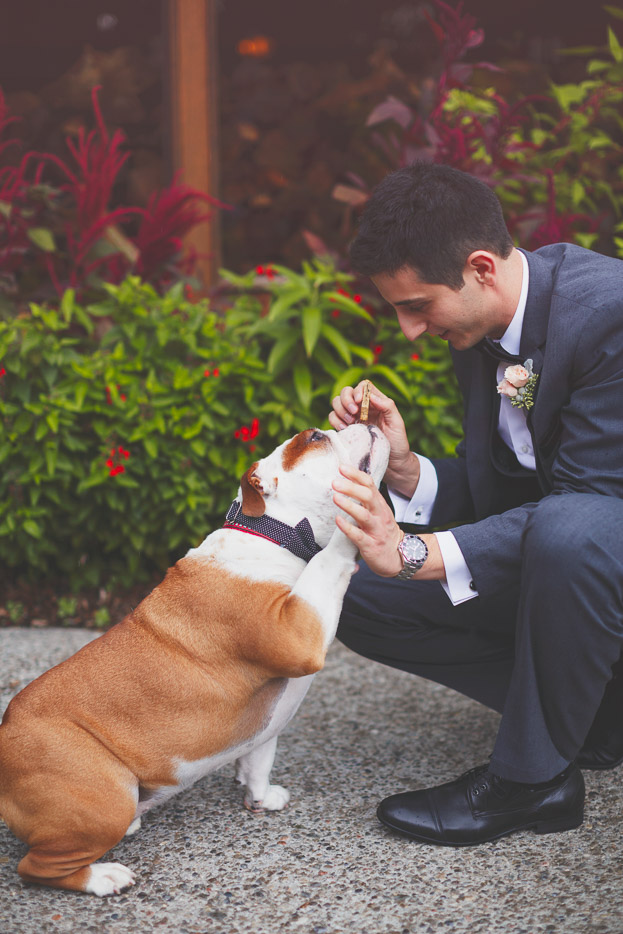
(325, 865)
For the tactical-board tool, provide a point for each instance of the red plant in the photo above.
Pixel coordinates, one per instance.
(550, 226)
(170, 215)
(69, 235)
(485, 135)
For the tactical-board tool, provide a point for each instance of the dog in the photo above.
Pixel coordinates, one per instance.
(208, 669)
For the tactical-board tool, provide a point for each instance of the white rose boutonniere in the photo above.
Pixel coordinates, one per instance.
(518, 385)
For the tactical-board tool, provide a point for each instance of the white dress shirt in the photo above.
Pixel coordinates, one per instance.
(514, 432)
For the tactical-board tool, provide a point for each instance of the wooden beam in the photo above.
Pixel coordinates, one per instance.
(193, 118)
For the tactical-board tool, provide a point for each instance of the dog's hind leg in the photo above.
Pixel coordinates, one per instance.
(64, 849)
(253, 770)
(70, 816)
(68, 832)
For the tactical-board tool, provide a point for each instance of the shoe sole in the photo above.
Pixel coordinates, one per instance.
(599, 768)
(540, 827)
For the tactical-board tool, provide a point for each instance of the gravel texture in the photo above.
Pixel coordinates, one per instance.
(325, 865)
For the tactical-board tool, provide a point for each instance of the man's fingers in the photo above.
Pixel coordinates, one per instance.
(351, 531)
(355, 510)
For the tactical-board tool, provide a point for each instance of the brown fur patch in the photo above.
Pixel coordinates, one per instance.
(300, 446)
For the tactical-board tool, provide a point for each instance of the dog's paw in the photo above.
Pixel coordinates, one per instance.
(275, 799)
(108, 879)
(134, 826)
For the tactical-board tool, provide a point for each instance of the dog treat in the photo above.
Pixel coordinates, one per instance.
(365, 402)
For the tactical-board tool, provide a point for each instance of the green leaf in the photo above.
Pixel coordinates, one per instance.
(282, 305)
(52, 420)
(33, 528)
(394, 379)
(312, 322)
(5, 209)
(51, 454)
(338, 341)
(349, 377)
(303, 384)
(614, 45)
(43, 238)
(41, 431)
(348, 305)
(151, 446)
(280, 351)
(615, 11)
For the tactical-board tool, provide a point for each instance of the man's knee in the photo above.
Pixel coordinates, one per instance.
(565, 531)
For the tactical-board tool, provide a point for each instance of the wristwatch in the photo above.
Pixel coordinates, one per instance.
(414, 553)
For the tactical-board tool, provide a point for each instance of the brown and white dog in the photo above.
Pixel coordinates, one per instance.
(208, 669)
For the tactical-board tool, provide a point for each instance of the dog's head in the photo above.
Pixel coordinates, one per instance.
(295, 481)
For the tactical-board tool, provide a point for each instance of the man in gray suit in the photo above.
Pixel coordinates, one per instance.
(520, 603)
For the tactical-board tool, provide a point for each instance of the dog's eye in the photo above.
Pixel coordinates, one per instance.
(316, 436)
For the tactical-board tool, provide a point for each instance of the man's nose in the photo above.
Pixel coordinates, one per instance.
(411, 327)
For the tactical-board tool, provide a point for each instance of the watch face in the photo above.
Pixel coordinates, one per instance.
(413, 548)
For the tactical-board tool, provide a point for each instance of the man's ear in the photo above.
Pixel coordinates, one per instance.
(254, 491)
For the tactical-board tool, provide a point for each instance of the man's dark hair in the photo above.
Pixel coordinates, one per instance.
(428, 217)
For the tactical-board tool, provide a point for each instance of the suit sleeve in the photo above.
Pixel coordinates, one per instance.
(584, 450)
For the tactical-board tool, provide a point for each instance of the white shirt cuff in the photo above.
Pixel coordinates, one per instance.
(418, 509)
(458, 583)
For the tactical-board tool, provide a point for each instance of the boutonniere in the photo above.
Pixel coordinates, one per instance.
(518, 384)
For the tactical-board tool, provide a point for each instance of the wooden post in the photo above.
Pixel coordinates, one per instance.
(192, 45)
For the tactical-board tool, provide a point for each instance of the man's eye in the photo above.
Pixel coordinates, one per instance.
(316, 436)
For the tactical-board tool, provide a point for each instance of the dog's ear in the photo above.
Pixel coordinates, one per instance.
(252, 493)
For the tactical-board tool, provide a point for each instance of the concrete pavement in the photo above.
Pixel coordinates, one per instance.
(325, 865)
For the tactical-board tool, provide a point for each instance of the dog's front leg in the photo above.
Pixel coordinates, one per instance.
(253, 770)
(324, 581)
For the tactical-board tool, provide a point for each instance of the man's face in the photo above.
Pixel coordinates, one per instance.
(462, 318)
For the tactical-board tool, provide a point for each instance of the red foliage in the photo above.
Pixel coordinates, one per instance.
(483, 144)
(68, 235)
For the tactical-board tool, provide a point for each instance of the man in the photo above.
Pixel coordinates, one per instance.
(520, 608)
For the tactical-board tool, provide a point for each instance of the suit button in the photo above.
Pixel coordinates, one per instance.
(472, 585)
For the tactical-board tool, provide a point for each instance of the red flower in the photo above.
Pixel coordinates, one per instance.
(216, 372)
(415, 356)
(246, 433)
(2, 372)
(251, 447)
(270, 272)
(342, 291)
(113, 461)
(357, 298)
(335, 313)
(259, 270)
(206, 372)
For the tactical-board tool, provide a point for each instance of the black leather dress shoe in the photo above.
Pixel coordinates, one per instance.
(603, 747)
(479, 806)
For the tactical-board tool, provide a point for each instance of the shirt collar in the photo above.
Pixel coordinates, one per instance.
(511, 338)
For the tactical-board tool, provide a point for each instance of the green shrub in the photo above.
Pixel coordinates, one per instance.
(316, 337)
(126, 424)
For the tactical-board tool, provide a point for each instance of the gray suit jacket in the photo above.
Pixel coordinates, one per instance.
(573, 331)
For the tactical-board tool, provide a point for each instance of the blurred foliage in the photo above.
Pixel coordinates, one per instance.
(124, 423)
(555, 159)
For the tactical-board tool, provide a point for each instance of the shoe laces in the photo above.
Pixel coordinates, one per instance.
(483, 780)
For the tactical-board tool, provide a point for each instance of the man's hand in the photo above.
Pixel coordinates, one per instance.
(377, 533)
(403, 470)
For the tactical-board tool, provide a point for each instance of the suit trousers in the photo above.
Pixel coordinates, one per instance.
(541, 652)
